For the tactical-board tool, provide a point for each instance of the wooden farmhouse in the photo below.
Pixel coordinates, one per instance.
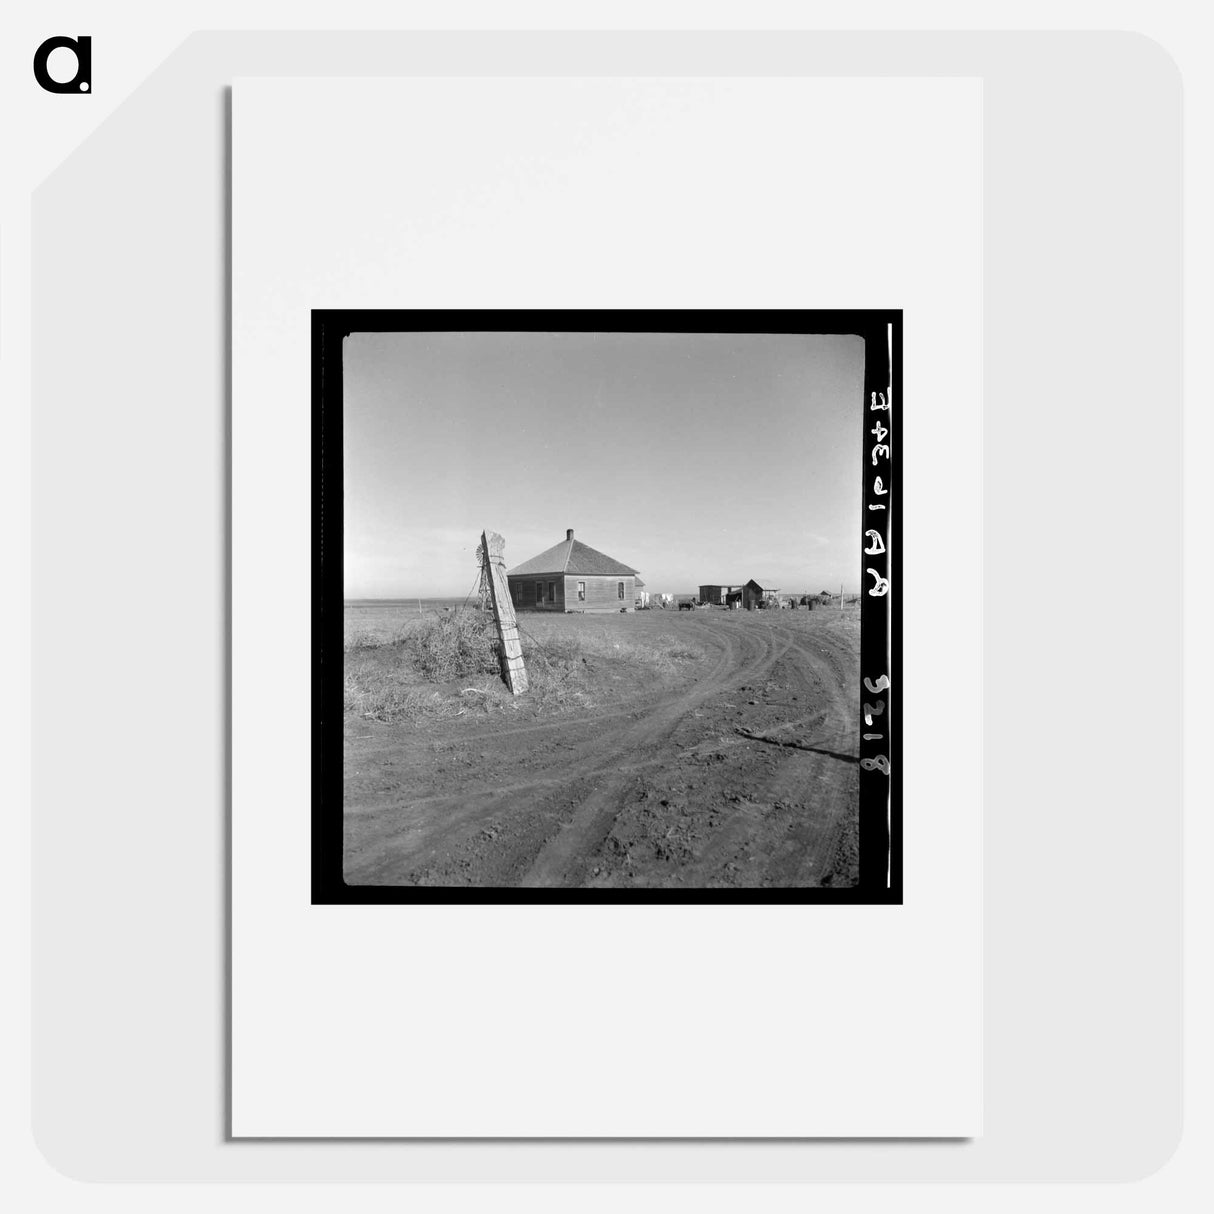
(572, 576)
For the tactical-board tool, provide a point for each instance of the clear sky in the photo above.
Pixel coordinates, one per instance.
(695, 458)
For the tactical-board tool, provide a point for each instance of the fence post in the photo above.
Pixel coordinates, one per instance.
(511, 648)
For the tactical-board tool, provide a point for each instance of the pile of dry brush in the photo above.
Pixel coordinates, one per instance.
(455, 645)
(386, 680)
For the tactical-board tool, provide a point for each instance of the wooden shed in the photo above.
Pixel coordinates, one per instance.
(572, 576)
(721, 596)
(753, 594)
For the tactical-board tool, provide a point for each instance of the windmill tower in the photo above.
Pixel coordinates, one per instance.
(484, 601)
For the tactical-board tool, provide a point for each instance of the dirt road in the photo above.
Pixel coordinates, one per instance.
(743, 772)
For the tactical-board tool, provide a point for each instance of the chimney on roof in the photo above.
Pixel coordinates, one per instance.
(569, 534)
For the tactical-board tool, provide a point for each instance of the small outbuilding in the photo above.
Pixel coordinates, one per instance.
(754, 595)
(570, 577)
(721, 596)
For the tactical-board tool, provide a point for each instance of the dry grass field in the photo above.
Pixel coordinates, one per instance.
(657, 749)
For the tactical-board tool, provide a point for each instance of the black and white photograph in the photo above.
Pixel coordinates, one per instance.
(526, 677)
(603, 606)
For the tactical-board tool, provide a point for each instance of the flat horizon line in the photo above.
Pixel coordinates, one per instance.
(413, 598)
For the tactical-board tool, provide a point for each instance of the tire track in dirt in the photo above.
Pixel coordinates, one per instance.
(545, 822)
(390, 744)
(833, 781)
(766, 816)
(841, 729)
(405, 835)
(577, 841)
(458, 810)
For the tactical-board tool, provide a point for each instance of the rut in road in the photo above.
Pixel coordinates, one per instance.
(384, 848)
(735, 813)
(565, 858)
(574, 784)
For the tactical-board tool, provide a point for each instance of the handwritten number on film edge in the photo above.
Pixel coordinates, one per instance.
(880, 587)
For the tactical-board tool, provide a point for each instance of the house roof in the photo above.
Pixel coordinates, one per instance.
(572, 557)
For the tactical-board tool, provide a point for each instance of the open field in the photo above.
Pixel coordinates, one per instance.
(661, 749)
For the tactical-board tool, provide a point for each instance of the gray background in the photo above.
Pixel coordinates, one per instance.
(1081, 694)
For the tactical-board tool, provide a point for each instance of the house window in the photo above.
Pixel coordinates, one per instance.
(581, 592)
(621, 592)
(539, 592)
(552, 592)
